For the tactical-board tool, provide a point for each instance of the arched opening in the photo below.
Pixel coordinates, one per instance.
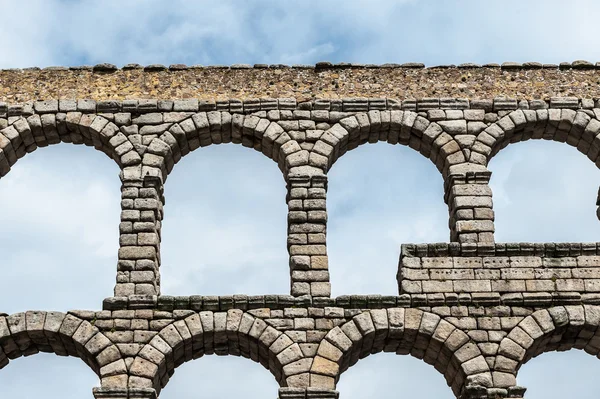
(379, 197)
(233, 333)
(60, 217)
(224, 230)
(214, 376)
(557, 375)
(402, 331)
(47, 376)
(34, 332)
(391, 376)
(559, 328)
(544, 191)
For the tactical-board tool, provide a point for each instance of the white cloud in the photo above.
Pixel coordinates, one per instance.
(60, 215)
(237, 376)
(544, 192)
(58, 32)
(560, 375)
(33, 193)
(380, 196)
(391, 375)
(47, 375)
(225, 225)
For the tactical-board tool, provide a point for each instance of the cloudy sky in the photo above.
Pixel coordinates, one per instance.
(225, 223)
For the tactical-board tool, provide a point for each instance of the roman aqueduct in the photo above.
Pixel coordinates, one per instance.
(474, 309)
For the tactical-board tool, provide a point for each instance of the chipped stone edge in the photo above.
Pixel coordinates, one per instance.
(506, 66)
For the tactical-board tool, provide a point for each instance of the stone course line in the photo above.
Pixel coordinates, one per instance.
(474, 309)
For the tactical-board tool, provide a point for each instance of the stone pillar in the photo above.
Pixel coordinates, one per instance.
(120, 393)
(469, 199)
(307, 227)
(308, 393)
(139, 254)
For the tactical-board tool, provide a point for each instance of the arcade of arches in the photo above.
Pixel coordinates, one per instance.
(473, 309)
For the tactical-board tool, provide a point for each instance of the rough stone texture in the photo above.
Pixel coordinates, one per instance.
(324, 80)
(474, 309)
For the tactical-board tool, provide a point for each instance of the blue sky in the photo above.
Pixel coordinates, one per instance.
(224, 230)
(61, 32)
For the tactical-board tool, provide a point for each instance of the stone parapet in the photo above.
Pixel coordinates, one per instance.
(323, 80)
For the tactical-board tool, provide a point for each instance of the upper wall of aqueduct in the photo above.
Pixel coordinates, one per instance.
(474, 309)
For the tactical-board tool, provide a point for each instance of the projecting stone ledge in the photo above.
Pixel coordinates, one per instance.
(347, 302)
(119, 393)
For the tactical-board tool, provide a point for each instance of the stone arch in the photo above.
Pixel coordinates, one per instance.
(395, 127)
(422, 334)
(25, 135)
(234, 332)
(215, 127)
(200, 130)
(28, 333)
(558, 328)
(580, 129)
